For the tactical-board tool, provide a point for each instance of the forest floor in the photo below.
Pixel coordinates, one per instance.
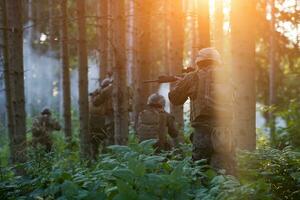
(137, 172)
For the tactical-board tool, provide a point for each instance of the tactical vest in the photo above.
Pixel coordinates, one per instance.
(213, 94)
(152, 124)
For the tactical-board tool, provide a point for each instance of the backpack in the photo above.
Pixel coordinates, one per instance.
(152, 125)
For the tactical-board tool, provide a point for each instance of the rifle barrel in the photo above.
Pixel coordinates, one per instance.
(151, 81)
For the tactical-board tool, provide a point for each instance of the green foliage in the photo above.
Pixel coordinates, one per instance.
(290, 134)
(137, 172)
(125, 172)
(275, 170)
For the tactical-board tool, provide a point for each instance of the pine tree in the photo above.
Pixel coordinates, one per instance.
(203, 24)
(120, 89)
(218, 30)
(103, 37)
(142, 69)
(176, 50)
(66, 71)
(272, 72)
(16, 76)
(83, 81)
(243, 66)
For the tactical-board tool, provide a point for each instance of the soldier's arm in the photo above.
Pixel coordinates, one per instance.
(183, 89)
(55, 125)
(102, 96)
(172, 129)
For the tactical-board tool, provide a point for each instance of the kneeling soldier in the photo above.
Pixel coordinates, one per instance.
(155, 123)
(42, 128)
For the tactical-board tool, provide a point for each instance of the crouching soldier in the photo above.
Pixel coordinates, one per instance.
(96, 124)
(155, 123)
(103, 99)
(42, 128)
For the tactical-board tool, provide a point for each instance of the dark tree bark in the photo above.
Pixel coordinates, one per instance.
(8, 78)
(219, 22)
(243, 61)
(194, 22)
(83, 81)
(120, 89)
(66, 72)
(203, 24)
(272, 73)
(166, 31)
(176, 50)
(103, 37)
(16, 74)
(143, 64)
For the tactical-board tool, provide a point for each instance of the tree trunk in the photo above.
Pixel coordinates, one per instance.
(194, 34)
(66, 72)
(16, 74)
(166, 41)
(203, 24)
(120, 89)
(243, 63)
(103, 37)
(218, 30)
(176, 50)
(272, 74)
(83, 81)
(143, 64)
(7, 79)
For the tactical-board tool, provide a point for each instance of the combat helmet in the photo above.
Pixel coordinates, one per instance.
(46, 111)
(105, 82)
(209, 53)
(156, 100)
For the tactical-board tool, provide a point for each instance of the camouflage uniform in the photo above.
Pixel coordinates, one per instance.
(104, 100)
(155, 123)
(42, 128)
(96, 124)
(211, 114)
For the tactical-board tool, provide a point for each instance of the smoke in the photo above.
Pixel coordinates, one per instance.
(43, 77)
(164, 90)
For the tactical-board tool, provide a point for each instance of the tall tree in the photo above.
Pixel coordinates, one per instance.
(143, 62)
(243, 65)
(194, 31)
(272, 72)
(176, 50)
(7, 77)
(219, 22)
(203, 24)
(66, 71)
(120, 89)
(16, 75)
(83, 80)
(103, 37)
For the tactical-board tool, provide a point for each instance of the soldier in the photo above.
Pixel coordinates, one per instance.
(97, 124)
(104, 99)
(211, 115)
(155, 123)
(42, 128)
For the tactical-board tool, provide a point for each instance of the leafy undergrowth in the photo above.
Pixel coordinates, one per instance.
(136, 172)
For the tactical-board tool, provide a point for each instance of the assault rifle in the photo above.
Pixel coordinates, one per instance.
(170, 78)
